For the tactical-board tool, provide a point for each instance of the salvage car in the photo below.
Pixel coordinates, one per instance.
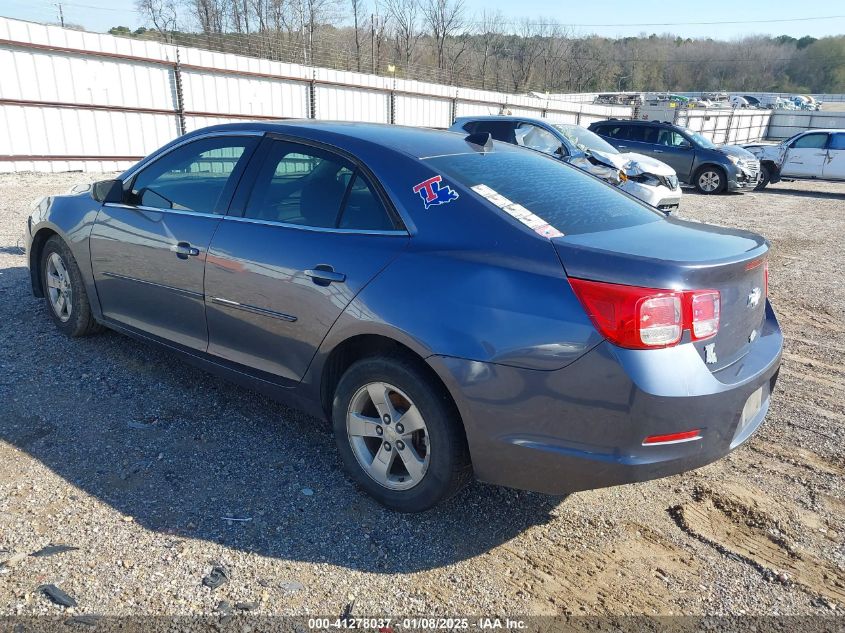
(452, 305)
(642, 176)
(810, 155)
(710, 168)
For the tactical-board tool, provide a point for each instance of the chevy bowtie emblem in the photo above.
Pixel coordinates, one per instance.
(754, 298)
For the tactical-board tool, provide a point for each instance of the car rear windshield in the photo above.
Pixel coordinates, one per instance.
(562, 195)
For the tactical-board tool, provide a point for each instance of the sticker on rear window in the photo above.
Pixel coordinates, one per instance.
(433, 192)
(517, 211)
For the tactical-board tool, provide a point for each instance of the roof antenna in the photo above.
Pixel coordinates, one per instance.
(483, 141)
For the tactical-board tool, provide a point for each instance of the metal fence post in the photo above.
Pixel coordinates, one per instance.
(180, 99)
(312, 99)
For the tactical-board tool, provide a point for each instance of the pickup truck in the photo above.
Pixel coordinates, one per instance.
(810, 155)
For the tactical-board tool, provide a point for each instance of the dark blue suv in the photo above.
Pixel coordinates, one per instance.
(710, 168)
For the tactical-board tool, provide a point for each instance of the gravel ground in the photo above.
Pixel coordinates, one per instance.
(120, 450)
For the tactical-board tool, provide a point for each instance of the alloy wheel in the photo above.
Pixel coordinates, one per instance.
(59, 287)
(709, 181)
(388, 436)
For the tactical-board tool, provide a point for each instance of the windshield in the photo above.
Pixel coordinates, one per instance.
(583, 139)
(524, 183)
(702, 141)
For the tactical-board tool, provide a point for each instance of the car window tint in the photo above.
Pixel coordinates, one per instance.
(637, 133)
(649, 133)
(670, 138)
(363, 209)
(191, 177)
(810, 141)
(535, 137)
(837, 141)
(499, 130)
(616, 131)
(562, 195)
(299, 185)
(470, 127)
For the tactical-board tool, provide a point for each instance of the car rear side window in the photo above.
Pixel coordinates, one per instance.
(615, 131)
(563, 196)
(191, 177)
(309, 186)
(499, 130)
(837, 141)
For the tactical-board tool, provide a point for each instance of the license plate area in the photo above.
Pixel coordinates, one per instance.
(750, 410)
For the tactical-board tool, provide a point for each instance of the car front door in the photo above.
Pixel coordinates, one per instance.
(834, 166)
(148, 253)
(806, 156)
(307, 230)
(665, 145)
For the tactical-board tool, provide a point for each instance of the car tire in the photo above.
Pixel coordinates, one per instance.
(64, 290)
(764, 178)
(403, 469)
(710, 179)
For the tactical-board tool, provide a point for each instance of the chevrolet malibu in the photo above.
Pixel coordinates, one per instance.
(454, 306)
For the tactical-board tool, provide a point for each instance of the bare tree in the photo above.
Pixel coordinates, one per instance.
(488, 36)
(525, 48)
(162, 13)
(404, 19)
(444, 19)
(357, 7)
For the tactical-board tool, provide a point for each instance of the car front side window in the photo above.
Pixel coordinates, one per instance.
(192, 177)
(535, 137)
(810, 141)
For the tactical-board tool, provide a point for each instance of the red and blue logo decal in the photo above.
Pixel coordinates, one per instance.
(433, 192)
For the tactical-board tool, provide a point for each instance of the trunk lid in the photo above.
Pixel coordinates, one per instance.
(681, 255)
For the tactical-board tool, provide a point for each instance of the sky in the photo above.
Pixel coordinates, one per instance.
(611, 18)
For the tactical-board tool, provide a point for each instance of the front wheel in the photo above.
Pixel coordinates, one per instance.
(710, 180)
(399, 435)
(64, 290)
(764, 178)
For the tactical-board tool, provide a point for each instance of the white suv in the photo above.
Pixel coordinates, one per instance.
(812, 155)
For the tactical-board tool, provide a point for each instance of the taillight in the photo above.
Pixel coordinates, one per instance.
(766, 280)
(704, 310)
(648, 318)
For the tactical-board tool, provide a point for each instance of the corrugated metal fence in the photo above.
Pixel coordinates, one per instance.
(76, 100)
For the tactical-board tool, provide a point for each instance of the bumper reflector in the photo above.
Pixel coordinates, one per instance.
(672, 438)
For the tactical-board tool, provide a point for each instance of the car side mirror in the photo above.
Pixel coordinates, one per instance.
(107, 191)
(685, 145)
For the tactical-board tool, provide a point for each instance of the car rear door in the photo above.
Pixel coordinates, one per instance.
(308, 229)
(834, 166)
(148, 253)
(806, 156)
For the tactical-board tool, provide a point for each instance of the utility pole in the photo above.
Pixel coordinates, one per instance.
(373, 41)
(61, 15)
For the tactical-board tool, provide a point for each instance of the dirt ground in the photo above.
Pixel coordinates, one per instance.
(121, 451)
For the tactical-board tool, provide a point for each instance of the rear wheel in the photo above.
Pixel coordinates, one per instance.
(710, 179)
(64, 290)
(398, 434)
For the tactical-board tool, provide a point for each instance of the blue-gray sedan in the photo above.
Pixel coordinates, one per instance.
(453, 305)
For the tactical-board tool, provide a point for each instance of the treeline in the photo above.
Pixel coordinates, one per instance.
(441, 41)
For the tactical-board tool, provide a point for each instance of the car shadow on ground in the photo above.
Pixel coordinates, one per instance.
(797, 193)
(188, 454)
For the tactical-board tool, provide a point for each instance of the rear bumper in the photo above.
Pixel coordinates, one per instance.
(583, 426)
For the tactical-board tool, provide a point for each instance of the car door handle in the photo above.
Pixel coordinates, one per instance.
(184, 250)
(658, 151)
(622, 146)
(323, 275)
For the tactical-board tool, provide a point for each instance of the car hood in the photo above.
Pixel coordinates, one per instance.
(767, 151)
(634, 164)
(735, 150)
